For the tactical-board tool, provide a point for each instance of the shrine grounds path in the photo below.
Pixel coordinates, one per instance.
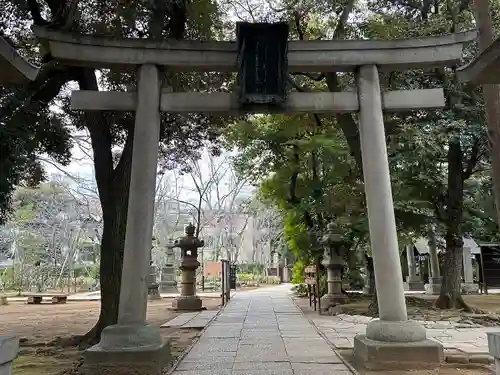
(261, 332)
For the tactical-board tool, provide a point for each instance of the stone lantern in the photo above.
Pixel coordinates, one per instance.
(333, 260)
(189, 244)
(153, 292)
(168, 284)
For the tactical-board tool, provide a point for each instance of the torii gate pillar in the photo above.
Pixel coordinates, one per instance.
(133, 346)
(393, 339)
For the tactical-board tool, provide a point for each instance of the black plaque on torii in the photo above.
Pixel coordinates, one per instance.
(262, 64)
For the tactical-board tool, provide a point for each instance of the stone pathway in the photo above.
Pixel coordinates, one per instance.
(456, 338)
(261, 332)
(191, 320)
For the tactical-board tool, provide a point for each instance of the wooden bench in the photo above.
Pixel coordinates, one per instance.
(36, 299)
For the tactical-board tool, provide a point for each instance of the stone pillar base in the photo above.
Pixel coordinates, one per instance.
(416, 285)
(127, 350)
(187, 303)
(332, 300)
(9, 347)
(381, 355)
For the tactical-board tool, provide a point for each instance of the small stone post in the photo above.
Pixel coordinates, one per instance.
(189, 244)
(333, 261)
(9, 346)
(435, 279)
(168, 284)
(414, 281)
(468, 285)
(153, 292)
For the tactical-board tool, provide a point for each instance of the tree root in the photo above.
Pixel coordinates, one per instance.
(447, 302)
(92, 337)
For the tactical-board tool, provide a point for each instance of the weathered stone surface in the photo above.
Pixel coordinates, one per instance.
(269, 366)
(191, 320)
(205, 365)
(320, 369)
(203, 372)
(132, 361)
(187, 303)
(302, 55)
(263, 372)
(340, 331)
(13, 67)
(481, 358)
(377, 355)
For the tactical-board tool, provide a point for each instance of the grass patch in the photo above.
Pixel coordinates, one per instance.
(45, 361)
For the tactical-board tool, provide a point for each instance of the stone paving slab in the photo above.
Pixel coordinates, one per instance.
(263, 372)
(319, 369)
(261, 332)
(270, 366)
(191, 320)
(341, 329)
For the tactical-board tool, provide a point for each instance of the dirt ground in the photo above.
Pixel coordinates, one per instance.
(421, 308)
(43, 327)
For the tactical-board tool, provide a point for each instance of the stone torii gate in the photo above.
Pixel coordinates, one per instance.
(390, 339)
(14, 69)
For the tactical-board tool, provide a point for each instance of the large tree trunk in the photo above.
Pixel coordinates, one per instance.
(450, 296)
(373, 307)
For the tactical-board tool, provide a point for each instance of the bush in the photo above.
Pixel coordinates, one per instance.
(274, 280)
(246, 276)
(355, 279)
(300, 290)
(298, 272)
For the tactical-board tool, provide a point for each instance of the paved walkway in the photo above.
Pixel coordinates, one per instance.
(261, 332)
(455, 337)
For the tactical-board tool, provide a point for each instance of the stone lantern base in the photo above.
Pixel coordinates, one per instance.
(187, 303)
(332, 300)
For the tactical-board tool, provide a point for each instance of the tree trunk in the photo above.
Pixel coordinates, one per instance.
(317, 262)
(373, 307)
(450, 296)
